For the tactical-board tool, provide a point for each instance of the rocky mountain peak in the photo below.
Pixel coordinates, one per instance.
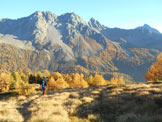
(46, 15)
(43, 13)
(149, 28)
(72, 18)
(93, 20)
(95, 24)
(146, 26)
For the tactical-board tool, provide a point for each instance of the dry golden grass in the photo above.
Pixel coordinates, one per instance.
(87, 99)
(48, 109)
(114, 103)
(9, 113)
(74, 95)
(49, 113)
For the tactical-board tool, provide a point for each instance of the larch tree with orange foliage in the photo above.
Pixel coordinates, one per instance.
(51, 83)
(90, 80)
(117, 80)
(4, 82)
(46, 73)
(56, 81)
(98, 80)
(76, 81)
(155, 71)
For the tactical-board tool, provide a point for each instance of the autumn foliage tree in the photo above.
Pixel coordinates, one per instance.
(15, 80)
(155, 71)
(117, 80)
(56, 81)
(4, 82)
(90, 80)
(55, 84)
(28, 83)
(47, 73)
(19, 82)
(76, 80)
(98, 80)
(56, 75)
(35, 78)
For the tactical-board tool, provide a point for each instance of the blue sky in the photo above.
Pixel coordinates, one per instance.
(112, 13)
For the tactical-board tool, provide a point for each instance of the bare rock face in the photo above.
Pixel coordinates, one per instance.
(67, 43)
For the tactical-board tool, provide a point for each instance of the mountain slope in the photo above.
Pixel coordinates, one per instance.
(67, 43)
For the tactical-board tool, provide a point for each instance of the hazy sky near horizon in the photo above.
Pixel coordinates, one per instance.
(112, 13)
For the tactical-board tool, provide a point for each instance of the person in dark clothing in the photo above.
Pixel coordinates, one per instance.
(44, 84)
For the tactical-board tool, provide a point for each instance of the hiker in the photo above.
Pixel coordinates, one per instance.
(44, 84)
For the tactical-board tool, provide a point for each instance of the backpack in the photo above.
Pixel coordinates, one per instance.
(44, 83)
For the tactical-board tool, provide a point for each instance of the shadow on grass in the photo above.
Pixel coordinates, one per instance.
(7, 95)
(23, 109)
(123, 106)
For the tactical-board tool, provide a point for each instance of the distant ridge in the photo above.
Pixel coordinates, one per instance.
(146, 26)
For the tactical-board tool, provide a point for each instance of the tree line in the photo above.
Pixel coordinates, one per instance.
(26, 83)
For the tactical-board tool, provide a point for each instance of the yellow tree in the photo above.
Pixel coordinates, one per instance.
(47, 73)
(155, 71)
(76, 81)
(23, 77)
(114, 80)
(56, 75)
(121, 80)
(117, 80)
(4, 82)
(98, 80)
(90, 80)
(60, 83)
(15, 80)
(16, 76)
(51, 83)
